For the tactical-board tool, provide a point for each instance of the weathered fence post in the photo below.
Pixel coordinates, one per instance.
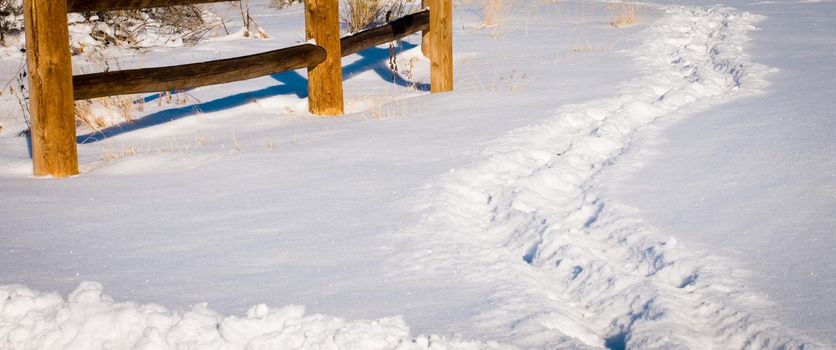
(441, 51)
(308, 24)
(50, 88)
(325, 81)
(425, 35)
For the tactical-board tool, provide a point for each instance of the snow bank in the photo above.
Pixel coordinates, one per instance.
(90, 320)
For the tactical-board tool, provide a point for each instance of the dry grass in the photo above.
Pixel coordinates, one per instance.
(622, 14)
(362, 14)
(494, 11)
(126, 28)
(508, 82)
(11, 21)
(251, 28)
(100, 113)
(123, 28)
(409, 69)
(110, 155)
(385, 109)
(271, 145)
(236, 144)
(587, 47)
(378, 104)
(280, 4)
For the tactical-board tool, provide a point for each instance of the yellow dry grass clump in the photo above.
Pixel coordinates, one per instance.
(622, 14)
(110, 155)
(100, 113)
(493, 12)
(361, 14)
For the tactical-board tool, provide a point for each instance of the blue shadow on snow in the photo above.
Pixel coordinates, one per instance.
(374, 59)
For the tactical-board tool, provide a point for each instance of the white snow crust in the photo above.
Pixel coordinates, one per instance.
(519, 234)
(598, 273)
(88, 319)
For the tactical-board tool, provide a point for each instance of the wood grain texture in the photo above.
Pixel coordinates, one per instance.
(53, 135)
(325, 81)
(425, 34)
(308, 23)
(441, 39)
(110, 5)
(388, 32)
(196, 74)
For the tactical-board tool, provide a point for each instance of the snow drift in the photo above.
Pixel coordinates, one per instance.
(88, 319)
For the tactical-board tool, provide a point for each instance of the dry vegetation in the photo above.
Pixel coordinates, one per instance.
(110, 155)
(362, 14)
(97, 114)
(280, 4)
(584, 46)
(622, 14)
(131, 28)
(494, 11)
(11, 20)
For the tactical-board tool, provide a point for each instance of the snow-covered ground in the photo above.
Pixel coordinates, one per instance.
(755, 179)
(585, 186)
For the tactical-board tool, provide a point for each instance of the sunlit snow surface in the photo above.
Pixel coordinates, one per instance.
(484, 216)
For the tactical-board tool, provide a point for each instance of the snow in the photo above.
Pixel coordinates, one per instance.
(753, 180)
(537, 206)
(90, 320)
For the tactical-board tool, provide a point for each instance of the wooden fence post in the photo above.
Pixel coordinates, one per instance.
(425, 35)
(441, 51)
(53, 135)
(325, 81)
(308, 23)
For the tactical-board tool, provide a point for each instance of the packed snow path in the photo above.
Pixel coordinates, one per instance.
(566, 266)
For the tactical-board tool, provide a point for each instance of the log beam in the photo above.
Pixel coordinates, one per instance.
(113, 5)
(388, 32)
(193, 75)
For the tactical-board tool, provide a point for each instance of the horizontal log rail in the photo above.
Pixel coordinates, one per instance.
(112, 5)
(395, 30)
(193, 75)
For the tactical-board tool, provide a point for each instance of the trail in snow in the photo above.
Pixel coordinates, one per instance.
(573, 268)
(570, 268)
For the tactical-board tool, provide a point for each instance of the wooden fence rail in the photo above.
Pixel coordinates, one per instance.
(53, 88)
(395, 30)
(111, 5)
(135, 81)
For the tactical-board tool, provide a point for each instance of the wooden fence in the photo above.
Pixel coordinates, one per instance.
(53, 88)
